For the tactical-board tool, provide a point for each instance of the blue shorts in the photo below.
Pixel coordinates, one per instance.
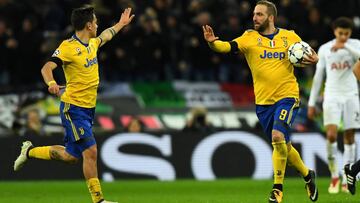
(278, 116)
(77, 122)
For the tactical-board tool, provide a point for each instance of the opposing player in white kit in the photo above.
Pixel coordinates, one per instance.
(341, 99)
(352, 170)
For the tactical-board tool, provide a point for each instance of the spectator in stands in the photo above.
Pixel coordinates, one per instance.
(229, 70)
(8, 47)
(162, 8)
(198, 121)
(4, 74)
(175, 54)
(12, 12)
(33, 126)
(149, 48)
(55, 17)
(29, 38)
(316, 29)
(316, 33)
(135, 125)
(166, 44)
(204, 64)
(118, 58)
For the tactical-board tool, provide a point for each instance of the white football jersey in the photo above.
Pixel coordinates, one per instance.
(338, 65)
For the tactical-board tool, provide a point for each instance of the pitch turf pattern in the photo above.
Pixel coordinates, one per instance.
(149, 191)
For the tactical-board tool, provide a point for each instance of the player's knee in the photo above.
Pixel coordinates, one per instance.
(277, 136)
(90, 153)
(331, 133)
(68, 158)
(349, 140)
(349, 137)
(331, 137)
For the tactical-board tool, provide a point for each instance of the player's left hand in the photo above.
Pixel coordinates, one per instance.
(126, 18)
(209, 35)
(311, 59)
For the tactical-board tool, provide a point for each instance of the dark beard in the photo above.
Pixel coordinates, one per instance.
(263, 26)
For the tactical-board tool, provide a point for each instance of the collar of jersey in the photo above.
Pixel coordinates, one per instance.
(271, 36)
(75, 37)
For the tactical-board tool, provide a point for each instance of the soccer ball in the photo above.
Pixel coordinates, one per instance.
(298, 51)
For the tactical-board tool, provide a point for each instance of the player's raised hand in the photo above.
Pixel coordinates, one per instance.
(126, 18)
(209, 33)
(337, 45)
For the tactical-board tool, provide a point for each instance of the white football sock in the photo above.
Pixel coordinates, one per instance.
(332, 159)
(349, 156)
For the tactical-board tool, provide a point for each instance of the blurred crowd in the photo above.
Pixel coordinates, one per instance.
(164, 42)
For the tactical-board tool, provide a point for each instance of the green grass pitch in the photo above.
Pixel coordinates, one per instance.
(150, 191)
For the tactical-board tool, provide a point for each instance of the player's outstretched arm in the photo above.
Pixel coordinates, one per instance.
(214, 43)
(356, 69)
(109, 33)
(46, 72)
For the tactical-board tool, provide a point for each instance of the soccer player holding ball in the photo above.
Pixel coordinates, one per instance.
(78, 57)
(275, 86)
(341, 96)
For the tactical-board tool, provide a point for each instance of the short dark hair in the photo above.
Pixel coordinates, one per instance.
(271, 8)
(81, 16)
(343, 22)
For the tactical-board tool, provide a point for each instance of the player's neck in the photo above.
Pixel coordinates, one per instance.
(83, 36)
(269, 31)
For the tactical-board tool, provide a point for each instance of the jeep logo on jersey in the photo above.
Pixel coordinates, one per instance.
(90, 62)
(275, 55)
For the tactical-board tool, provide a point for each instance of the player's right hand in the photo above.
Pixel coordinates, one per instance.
(209, 33)
(311, 112)
(56, 89)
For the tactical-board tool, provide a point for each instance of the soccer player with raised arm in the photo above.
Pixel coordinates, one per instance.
(341, 96)
(352, 170)
(78, 57)
(276, 89)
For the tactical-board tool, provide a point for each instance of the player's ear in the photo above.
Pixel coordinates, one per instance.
(89, 26)
(271, 18)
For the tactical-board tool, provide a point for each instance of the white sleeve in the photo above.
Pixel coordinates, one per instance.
(318, 79)
(354, 49)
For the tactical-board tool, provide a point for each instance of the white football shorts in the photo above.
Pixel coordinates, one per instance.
(346, 108)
